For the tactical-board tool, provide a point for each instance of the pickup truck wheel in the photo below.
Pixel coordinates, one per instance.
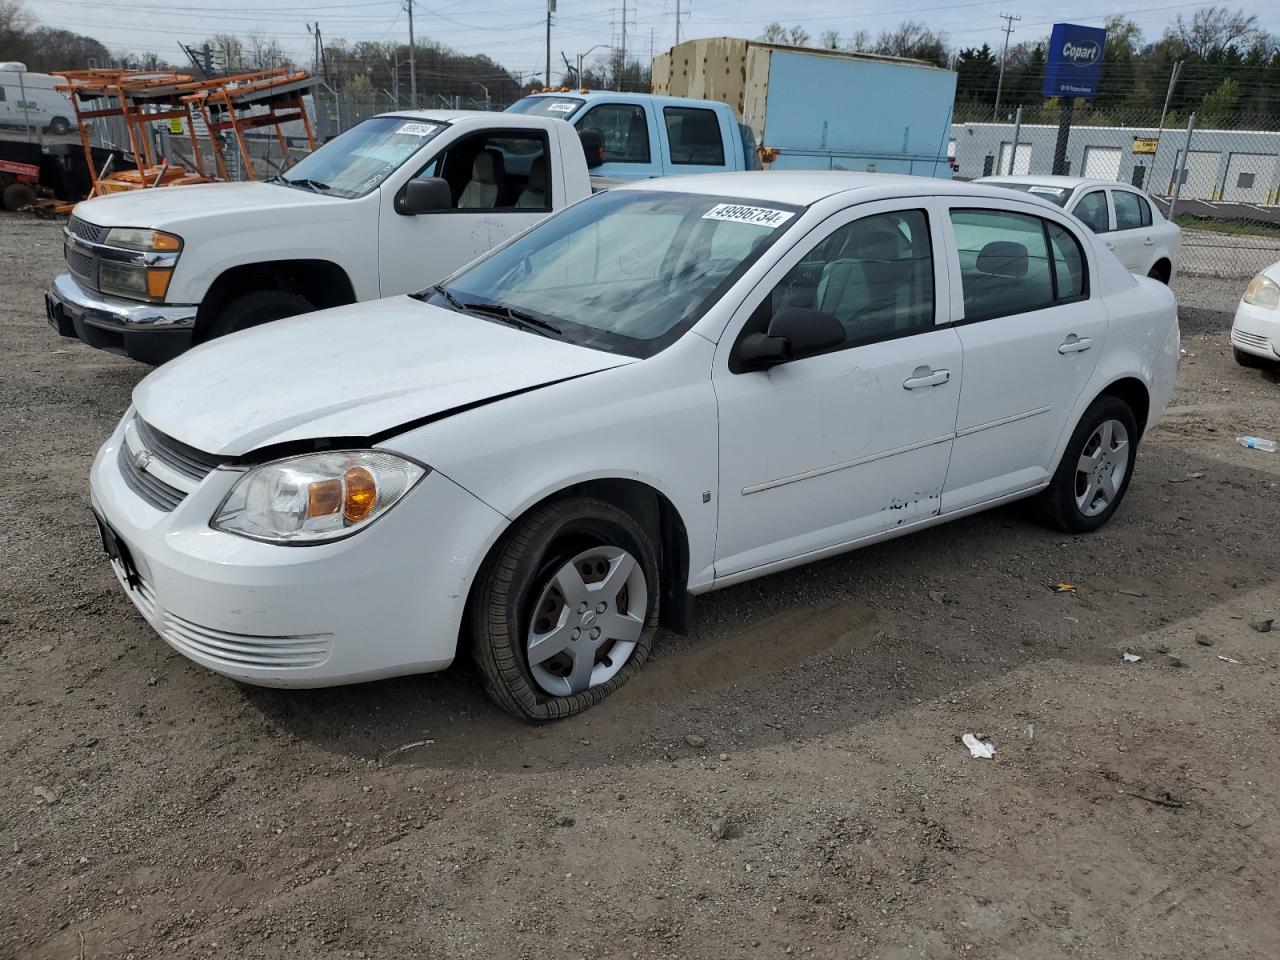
(1095, 469)
(565, 609)
(254, 309)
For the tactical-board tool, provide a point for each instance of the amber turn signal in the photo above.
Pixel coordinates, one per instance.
(362, 494)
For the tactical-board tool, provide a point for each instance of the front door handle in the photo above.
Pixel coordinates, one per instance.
(1074, 344)
(925, 377)
(1148, 242)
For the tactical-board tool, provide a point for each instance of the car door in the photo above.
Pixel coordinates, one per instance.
(628, 133)
(1133, 239)
(501, 181)
(826, 450)
(1032, 329)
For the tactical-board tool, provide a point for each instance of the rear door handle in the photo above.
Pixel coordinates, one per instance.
(1074, 344)
(925, 377)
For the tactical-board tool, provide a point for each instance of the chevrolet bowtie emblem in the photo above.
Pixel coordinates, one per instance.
(141, 459)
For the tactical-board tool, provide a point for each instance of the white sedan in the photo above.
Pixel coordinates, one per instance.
(1255, 331)
(1127, 221)
(669, 388)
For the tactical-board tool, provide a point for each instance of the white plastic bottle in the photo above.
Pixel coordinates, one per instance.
(1257, 443)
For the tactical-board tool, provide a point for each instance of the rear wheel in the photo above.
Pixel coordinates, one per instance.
(1095, 469)
(255, 309)
(566, 608)
(59, 125)
(1159, 271)
(17, 196)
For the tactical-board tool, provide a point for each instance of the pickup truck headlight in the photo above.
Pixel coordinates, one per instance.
(138, 280)
(1262, 292)
(148, 241)
(316, 497)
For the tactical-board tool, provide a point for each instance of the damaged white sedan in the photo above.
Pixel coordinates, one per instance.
(669, 388)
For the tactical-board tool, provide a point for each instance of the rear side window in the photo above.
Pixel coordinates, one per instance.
(1004, 262)
(1092, 209)
(694, 135)
(1129, 210)
(623, 127)
(1069, 271)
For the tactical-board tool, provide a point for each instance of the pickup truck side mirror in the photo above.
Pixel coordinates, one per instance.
(592, 146)
(424, 196)
(794, 333)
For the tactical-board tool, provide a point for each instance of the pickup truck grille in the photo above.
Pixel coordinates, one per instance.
(89, 232)
(83, 267)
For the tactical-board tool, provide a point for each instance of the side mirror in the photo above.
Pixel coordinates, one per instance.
(424, 196)
(592, 146)
(794, 333)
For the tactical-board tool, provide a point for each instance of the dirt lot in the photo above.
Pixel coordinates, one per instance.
(787, 780)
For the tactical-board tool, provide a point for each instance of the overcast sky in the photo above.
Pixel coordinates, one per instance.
(512, 31)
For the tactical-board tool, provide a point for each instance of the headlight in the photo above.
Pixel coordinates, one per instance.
(1262, 292)
(316, 497)
(133, 280)
(148, 241)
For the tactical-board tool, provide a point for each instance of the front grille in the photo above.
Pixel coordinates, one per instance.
(1251, 339)
(83, 267)
(245, 650)
(89, 232)
(188, 461)
(151, 489)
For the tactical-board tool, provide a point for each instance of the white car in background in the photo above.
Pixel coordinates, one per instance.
(1255, 331)
(1128, 222)
(672, 387)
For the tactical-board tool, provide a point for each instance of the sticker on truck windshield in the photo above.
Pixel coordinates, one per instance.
(418, 129)
(760, 216)
(1048, 191)
(562, 106)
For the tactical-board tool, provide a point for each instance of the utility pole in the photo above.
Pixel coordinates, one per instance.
(1009, 20)
(622, 60)
(551, 8)
(413, 68)
(677, 23)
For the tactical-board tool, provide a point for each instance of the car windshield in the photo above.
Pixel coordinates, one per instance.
(627, 271)
(356, 162)
(561, 108)
(1047, 191)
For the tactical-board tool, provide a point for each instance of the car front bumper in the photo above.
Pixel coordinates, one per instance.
(386, 601)
(1256, 330)
(151, 333)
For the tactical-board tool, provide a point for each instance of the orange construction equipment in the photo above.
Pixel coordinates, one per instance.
(141, 99)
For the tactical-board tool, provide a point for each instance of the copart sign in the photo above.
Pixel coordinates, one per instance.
(1074, 65)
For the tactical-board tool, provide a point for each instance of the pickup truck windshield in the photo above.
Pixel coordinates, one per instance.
(627, 271)
(355, 162)
(558, 108)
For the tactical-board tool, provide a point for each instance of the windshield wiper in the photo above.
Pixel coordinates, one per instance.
(514, 316)
(315, 186)
(441, 289)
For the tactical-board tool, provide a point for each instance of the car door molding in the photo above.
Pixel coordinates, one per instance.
(1012, 418)
(843, 465)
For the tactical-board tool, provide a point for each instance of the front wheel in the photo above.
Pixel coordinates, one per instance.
(565, 610)
(1095, 469)
(255, 309)
(1248, 359)
(59, 126)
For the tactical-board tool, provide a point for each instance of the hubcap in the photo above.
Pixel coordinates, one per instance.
(587, 621)
(1102, 467)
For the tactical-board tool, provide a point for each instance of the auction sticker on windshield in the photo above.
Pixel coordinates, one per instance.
(418, 129)
(761, 216)
(562, 106)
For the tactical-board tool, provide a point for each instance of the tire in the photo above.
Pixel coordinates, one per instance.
(59, 126)
(1059, 504)
(524, 571)
(255, 309)
(17, 196)
(1158, 272)
(1248, 359)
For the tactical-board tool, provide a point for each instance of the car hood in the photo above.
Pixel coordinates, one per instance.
(358, 371)
(167, 208)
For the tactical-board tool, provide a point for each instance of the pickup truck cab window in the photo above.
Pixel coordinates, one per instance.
(626, 271)
(495, 170)
(624, 128)
(356, 162)
(694, 135)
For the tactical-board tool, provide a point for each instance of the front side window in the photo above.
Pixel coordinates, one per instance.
(874, 275)
(694, 135)
(1092, 209)
(495, 170)
(1004, 262)
(624, 130)
(356, 162)
(628, 271)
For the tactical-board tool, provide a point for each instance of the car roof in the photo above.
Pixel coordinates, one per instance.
(1069, 183)
(460, 116)
(658, 99)
(804, 188)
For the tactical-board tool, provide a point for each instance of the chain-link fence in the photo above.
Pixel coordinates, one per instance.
(1217, 175)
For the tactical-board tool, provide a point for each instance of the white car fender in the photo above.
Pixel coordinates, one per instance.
(511, 468)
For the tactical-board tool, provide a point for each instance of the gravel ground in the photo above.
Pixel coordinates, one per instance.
(788, 780)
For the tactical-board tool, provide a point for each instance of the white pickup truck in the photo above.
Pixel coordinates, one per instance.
(390, 206)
